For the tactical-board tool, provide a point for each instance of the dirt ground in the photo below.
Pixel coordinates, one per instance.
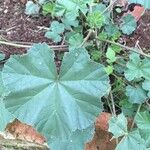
(16, 26)
(142, 34)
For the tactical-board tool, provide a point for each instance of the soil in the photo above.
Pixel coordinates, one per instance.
(142, 35)
(16, 26)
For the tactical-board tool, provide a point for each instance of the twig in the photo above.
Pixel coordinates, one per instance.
(113, 104)
(113, 109)
(132, 125)
(148, 103)
(128, 48)
(110, 5)
(54, 47)
(86, 38)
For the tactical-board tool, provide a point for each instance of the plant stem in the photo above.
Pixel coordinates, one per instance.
(148, 103)
(113, 104)
(55, 47)
(110, 5)
(109, 105)
(128, 48)
(132, 125)
(113, 109)
(86, 38)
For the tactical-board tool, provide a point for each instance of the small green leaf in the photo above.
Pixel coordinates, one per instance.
(118, 126)
(136, 94)
(96, 55)
(128, 108)
(102, 36)
(95, 20)
(32, 8)
(128, 24)
(109, 69)
(75, 40)
(146, 86)
(48, 8)
(143, 120)
(55, 30)
(137, 68)
(54, 36)
(131, 141)
(111, 29)
(69, 20)
(57, 27)
(100, 7)
(111, 55)
(116, 48)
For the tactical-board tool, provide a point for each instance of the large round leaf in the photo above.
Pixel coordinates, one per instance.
(56, 104)
(5, 116)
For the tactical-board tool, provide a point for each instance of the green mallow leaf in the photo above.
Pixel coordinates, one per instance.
(54, 36)
(56, 104)
(75, 40)
(95, 20)
(109, 69)
(145, 134)
(5, 116)
(118, 126)
(99, 7)
(145, 3)
(32, 8)
(96, 55)
(76, 141)
(65, 6)
(136, 94)
(54, 31)
(137, 68)
(143, 120)
(48, 8)
(131, 141)
(128, 109)
(128, 24)
(57, 27)
(146, 86)
(69, 20)
(111, 55)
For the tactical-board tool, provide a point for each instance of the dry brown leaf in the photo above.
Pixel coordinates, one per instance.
(24, 132)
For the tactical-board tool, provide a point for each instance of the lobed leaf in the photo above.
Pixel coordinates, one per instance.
(136, 94)
(118, 126)
(137, 68)
(56, 104)
(128, 24)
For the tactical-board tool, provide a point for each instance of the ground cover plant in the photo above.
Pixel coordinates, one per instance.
(98, 73)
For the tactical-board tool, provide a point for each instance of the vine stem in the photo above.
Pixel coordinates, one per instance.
(138, 109)
(55, 47)
(113, 104)
(110, 5)
(126, 47)
(86, 38)
(113, 109)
